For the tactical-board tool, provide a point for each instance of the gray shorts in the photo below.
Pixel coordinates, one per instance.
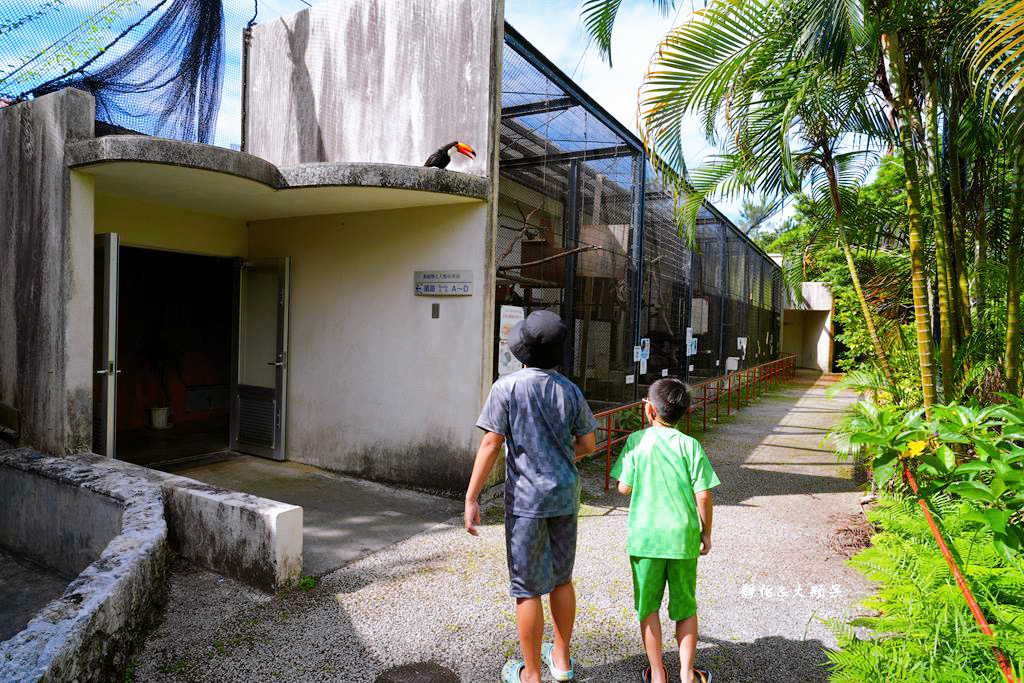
(541, 553)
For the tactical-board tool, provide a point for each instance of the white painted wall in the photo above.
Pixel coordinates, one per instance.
(376, 387)
(374, 80)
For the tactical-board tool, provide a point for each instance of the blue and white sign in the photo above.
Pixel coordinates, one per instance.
(444, 282)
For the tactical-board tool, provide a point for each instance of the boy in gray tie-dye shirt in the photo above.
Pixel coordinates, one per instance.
(542, 421)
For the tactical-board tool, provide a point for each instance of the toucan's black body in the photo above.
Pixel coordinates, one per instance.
(442, 157)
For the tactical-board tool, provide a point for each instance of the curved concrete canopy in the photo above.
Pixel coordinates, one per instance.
(229, 183)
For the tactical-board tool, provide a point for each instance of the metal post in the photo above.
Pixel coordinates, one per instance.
(718, 399)
(704, 387)
(570, 241)
(608, 452)
(728, 396)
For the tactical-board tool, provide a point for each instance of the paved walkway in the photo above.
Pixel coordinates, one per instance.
(438, 600)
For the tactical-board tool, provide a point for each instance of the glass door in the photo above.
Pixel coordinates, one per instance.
(104, 381)
(259, 382)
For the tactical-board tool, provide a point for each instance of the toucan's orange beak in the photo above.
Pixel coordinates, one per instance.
(465, 149)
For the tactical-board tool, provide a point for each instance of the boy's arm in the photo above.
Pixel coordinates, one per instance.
(586, 443)
(625, 488)
(486, 455)
(704, 509)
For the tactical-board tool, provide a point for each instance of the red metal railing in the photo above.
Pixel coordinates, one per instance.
(743, 385)
(1004, 663)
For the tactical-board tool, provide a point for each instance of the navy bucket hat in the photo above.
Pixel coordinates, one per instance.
(539, 340)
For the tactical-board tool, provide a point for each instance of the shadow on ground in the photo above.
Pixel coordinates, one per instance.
(771, 659)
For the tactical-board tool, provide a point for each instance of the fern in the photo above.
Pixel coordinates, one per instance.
(923, 629)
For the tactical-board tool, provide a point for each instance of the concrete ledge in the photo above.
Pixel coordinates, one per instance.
(140, 148)
(89, 633)
(397, 176)
(247, 537)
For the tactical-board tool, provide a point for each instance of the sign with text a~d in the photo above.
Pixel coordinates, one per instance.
(444, 282)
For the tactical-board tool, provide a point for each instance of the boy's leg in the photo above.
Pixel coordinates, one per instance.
(562, 537)
(648, 592)
(650, 634)
(563, 616)
(530, 622)
(686, 636)
(682, 609)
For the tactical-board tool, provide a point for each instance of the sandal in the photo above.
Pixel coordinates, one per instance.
(645, 675)
(511, 672)
(545, 655)
(701, 676)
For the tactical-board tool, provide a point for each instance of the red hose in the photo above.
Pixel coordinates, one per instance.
(1004, 663)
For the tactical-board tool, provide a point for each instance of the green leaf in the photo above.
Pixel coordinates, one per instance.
(973, 467)
(972, 490)
(998, 486)
(868, 438)
(1003, 549)
(975, 516)
(1005, 472)
(947, 456)
(997, 520)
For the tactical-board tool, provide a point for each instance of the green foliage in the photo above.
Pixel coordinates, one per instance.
(923, 629)
(306, 583)
(974, 452)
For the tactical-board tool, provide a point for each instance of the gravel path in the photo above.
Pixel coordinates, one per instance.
(441, 596)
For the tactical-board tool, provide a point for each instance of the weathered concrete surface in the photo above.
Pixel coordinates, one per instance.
(442, 596)
(25, 588)
(46, 291)
(343, 518)
(373, 80)
(255, 539)
(397, 176)
(57, 524)
(113, 148)
(356, 324)
(90, 632)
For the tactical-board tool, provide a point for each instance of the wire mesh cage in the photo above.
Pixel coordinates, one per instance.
(587, 230)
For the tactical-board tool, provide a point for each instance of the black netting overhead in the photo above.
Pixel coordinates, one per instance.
(158, 67)
(587, 230)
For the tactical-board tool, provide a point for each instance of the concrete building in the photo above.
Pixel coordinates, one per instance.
(320, 296)
(807, 329)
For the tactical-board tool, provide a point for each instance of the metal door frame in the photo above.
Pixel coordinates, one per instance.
(280, 391)
(105, 313)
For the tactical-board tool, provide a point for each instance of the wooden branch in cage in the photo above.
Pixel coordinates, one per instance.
(520, 266)
(522, 232)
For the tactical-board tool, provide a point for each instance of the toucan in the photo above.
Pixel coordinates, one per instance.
(443, 156)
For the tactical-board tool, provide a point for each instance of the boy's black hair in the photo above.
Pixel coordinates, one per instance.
(671, 399)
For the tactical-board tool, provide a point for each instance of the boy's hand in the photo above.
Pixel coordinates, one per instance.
(471, 516)
(705, 544)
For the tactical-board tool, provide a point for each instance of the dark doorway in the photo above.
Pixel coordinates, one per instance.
(174, 352)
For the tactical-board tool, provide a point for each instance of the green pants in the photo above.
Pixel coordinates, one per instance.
(650, 574)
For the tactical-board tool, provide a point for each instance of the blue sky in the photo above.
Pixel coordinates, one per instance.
(553, 26)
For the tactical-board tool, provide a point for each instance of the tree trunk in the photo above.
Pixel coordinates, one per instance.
(837, 208)
(1013, 276)
(894, 52)
(978, 185)
(959, 250)
(947, 332)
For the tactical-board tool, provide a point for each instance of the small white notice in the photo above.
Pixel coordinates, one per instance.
(636, 354)
(741, 343)
(444, 282)
(664, 373)
(510, 315)
(689, 341)
(691, 368)
(645, 349)
(629, 379)
(507, 363)
(643, 366)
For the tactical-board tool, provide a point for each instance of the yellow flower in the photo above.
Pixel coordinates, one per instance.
(914, 449)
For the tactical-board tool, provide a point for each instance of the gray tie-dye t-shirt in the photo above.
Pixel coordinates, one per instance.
(538, 412)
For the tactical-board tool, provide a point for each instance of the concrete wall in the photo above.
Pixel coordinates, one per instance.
(377, 387)
(374, 80)
(144, 223)
(46, 288)
(91, 632)
(62, 526)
